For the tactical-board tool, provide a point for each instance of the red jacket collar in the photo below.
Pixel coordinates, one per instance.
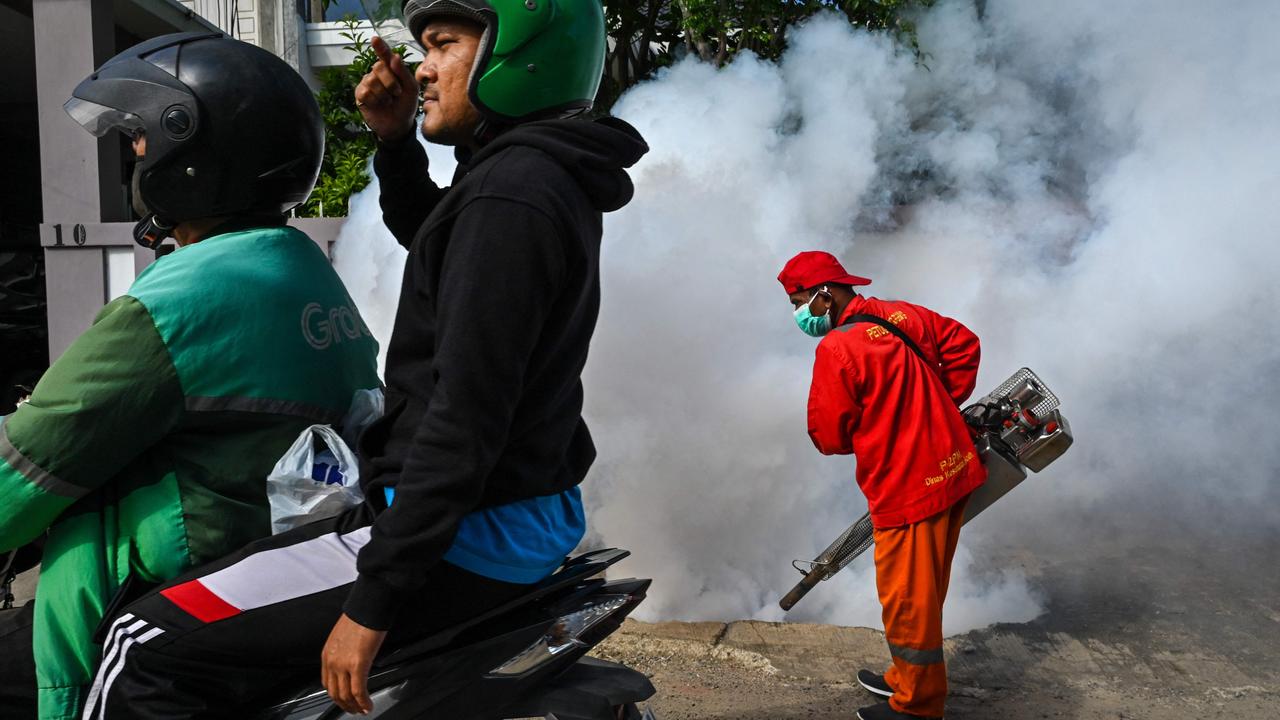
(855, 306)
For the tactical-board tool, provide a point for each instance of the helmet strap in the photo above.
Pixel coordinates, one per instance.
(151, 231)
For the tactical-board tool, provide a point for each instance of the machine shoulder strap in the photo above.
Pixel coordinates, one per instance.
(863, 317)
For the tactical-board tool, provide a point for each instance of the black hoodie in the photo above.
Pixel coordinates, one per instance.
(499, 300)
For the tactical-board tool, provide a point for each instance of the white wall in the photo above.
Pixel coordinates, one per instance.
(238, 18)
(326, 46)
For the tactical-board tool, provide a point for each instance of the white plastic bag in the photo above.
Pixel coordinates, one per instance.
(306, 485)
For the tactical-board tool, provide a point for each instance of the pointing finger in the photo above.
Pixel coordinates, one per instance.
(390, 80)
(401, 69)
(381, 49)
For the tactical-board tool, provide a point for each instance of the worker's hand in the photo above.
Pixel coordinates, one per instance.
(345, 661)
(387, 95)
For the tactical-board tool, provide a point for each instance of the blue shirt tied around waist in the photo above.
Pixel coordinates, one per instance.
(521, 542)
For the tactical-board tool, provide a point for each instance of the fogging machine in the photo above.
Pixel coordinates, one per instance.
(1017, 427)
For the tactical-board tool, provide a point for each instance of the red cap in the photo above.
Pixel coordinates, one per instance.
(812, 268)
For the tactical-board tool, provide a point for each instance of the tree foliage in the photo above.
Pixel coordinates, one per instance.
(648, 34)
(347, 142)
(644, 35)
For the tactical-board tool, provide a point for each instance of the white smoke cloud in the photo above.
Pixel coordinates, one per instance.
(370, 261)
(1090, 186)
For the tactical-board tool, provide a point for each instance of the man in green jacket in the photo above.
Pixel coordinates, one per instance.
(144, 449)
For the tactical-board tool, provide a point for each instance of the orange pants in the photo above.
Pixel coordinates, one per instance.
(913, 566)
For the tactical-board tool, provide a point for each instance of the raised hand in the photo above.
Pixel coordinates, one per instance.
(387, 95)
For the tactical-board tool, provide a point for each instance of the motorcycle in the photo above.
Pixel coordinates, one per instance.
(524, 659)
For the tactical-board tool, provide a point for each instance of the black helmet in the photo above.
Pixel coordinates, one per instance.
(230, 128)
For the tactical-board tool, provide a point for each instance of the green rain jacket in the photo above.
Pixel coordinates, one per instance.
(145, 448)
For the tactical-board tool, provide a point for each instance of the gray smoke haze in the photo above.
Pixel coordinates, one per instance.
(1092, 187)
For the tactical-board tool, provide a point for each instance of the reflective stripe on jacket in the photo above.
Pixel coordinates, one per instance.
(872, 396)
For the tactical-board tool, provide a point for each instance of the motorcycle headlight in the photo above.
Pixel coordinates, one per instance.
(562, 636)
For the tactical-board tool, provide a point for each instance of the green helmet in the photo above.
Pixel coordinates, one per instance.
(537, 58)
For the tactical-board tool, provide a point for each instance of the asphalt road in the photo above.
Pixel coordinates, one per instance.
(1179, 629)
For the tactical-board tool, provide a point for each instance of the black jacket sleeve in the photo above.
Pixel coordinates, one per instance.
(501, 273)
(406, 192)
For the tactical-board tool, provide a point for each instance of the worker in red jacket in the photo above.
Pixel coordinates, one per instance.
(887, 383)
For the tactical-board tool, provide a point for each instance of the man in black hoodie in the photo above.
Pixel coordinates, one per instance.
(471, 477)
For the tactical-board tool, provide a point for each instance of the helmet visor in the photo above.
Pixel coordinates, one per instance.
(100, 119)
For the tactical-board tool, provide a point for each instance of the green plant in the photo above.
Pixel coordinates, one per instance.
(651, 34)
(347, 142)
(646, 35)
